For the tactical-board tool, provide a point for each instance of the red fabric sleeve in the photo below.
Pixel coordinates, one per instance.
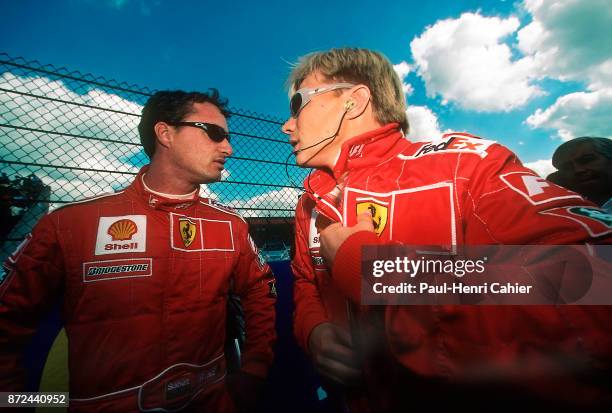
(33, 280)
(309, 310)
(254, 283)
(509, 204)
(346, 272)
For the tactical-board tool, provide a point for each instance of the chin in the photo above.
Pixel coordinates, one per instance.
(305, 160)
(210, 178)
(300, 161)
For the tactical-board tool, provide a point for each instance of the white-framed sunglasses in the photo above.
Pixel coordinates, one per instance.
(302, 96)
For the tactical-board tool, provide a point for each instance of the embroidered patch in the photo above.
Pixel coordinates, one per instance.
(596, 221)
(593, 213)
(117, 269)
(454, 143)
(224, 207)
(313, 232)
(379, 213)
(12, 259)
(534, 189)
(188, 231)
(121, 235)
(198, 234)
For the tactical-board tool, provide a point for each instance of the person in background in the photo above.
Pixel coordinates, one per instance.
(371, 186)
(557, 179)
(144, 276)
(585, 165)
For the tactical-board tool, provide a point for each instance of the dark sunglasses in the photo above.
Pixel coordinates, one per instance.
(214, 132)
(301, 97)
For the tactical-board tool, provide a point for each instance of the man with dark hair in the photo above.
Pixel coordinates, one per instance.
(585, 164)
(173, 107)
(145, 275)
(374, 187)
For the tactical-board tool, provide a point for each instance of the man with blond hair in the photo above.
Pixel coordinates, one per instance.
(374, 187)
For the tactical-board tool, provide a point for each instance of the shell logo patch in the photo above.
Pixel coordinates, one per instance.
(122, 230)
(379, 215)
(121, 235)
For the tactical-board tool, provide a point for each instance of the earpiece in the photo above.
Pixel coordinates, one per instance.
(349, 104)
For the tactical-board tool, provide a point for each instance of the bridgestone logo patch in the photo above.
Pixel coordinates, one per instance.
(117, 269)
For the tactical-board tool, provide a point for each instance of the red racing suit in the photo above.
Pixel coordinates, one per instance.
(460, 190)
(145, 281)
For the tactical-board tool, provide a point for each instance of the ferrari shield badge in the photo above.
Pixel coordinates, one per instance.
(188, 231)
(379, 215)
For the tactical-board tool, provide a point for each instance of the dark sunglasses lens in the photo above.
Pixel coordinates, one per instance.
(217, 133)
(295, 104)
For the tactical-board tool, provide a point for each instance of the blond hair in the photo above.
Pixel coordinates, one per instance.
(359, 66)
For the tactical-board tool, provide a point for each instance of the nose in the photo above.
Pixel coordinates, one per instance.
(580, 168)
(289, 126)
(226, 147)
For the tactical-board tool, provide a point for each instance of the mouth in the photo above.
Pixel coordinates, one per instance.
(294, 144)
(220, 162)
(589, 180)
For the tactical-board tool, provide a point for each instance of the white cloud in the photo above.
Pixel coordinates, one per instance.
(570, 40)
(285, 198)
(53, 149)
(542, 167)
(465, 61)
(206, 192)
(423, 124)
(403, 69)
(577, 114)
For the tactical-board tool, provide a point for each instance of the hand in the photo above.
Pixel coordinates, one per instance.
(333, 354)
(335, 234)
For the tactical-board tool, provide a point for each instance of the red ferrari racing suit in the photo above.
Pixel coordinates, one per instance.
(145, 281)
(459, 190)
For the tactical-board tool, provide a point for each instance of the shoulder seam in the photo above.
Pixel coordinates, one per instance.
(83, 201)
(223, 210)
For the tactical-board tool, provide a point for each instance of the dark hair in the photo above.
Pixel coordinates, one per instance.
(603, 146)
(173, 106)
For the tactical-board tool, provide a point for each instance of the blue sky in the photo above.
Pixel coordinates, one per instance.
(527, 74)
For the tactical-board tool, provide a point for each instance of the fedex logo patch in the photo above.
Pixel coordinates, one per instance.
(121, 235)
(534, 189)
(453, 144)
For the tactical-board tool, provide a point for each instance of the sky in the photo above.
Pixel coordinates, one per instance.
(528, 74)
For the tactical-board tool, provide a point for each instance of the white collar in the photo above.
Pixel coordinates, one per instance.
(169, 196)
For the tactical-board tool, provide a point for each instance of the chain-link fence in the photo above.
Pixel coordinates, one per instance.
(67, 136)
